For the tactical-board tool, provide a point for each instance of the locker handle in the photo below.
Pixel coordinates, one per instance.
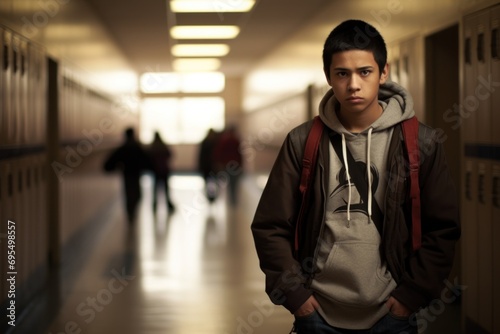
(20, 182)
(480, 189)
(494, 44)
(5, 57)
(467, 51)
(468, 193)
(14, 61)
(496, 192)
(23, 64)
(10, 185)
(480, 47)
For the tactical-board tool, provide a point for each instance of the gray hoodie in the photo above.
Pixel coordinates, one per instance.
(352, 284)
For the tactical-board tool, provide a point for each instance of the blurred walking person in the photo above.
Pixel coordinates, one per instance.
(206, 165)
(228, 160)
(131, 159)
(161, 155)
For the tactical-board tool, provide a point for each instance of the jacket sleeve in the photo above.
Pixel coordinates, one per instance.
(429, 267)
(273, 230)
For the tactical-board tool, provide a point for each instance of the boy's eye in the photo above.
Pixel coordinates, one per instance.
(341, 74)
(365, 72)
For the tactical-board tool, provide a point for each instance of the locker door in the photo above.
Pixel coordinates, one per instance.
(6, 213)
(469, 190)
(17, 118)
(25, 135)
(495, 122)
(36, 101)
(484, 218)
(3, 115)
(40, 84)
(6, 86)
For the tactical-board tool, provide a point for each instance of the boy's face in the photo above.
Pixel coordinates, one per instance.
(355, 79)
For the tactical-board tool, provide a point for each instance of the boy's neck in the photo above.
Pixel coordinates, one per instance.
(357, 123)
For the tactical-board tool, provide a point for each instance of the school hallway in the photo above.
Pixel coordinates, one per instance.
(192, 271)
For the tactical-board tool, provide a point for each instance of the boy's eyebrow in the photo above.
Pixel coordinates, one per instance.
(362, 68)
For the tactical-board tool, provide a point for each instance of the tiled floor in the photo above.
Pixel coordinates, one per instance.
(191, 272)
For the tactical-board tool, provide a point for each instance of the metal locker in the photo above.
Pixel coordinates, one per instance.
(25, 133)
(32, 95)
(21, 227)
(495, 195)
(483, 139)
(41, 227)
(36, 88)
(467, 122)
(32, 212)
(3, 233)
(3, 115)
(6, 212)
(16, 116)
(6, 87)
(495, 198)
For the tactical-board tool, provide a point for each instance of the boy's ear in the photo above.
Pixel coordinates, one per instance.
(384, 75)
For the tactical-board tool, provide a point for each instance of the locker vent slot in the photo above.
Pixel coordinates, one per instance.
(480, 47)
(20, 182)
(5, 57)
(467, 51)
(480, 189)
(23, 64)
(28, 178)
(35, 174)
(10, 185)
(468, 193)
(496, 192)
(494, 44)
(14, 61)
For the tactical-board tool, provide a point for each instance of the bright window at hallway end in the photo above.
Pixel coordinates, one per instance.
(183, 82)
(181, 120)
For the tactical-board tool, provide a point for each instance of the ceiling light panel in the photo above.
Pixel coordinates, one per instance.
(200, 50)
(196, 64)
(204, 32)
(204, 6)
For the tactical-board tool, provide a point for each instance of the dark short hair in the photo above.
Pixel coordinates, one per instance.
(354, 35)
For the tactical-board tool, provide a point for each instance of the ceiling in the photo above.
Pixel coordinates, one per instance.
(141, 28)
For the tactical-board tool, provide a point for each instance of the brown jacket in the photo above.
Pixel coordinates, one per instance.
(420, 275)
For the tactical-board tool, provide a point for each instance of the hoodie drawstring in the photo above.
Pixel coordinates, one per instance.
(346, 164)
(369, 173)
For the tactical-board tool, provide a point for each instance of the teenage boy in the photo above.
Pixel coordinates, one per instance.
(355, 268)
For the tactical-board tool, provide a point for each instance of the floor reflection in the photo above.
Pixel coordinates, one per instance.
(193, 270)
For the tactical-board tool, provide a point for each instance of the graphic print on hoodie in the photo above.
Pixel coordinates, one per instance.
(352, 284)
(339, 197)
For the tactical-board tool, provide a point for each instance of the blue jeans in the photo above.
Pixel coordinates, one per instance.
(389, 324)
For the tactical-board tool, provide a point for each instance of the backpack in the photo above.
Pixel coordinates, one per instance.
(410, 134)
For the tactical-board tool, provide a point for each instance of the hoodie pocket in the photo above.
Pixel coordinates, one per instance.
(353, 275)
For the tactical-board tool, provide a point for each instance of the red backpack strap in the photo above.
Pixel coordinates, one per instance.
(410, 133)
(308, 163)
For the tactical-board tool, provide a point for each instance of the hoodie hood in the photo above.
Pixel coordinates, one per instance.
(396, 102)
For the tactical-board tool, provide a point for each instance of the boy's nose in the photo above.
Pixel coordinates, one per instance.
(354, 83)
